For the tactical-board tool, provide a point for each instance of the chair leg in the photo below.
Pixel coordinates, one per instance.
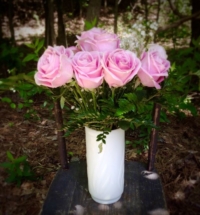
(154, 137)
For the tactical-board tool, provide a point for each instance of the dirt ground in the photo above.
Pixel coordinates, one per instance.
(177, 161)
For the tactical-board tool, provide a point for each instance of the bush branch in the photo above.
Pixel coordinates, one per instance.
(178, 23)
(175, 11)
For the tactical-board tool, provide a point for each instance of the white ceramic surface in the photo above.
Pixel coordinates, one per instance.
(106, 169)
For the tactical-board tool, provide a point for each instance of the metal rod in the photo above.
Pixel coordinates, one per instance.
(50, 40)
(154, 137)
(60, 134)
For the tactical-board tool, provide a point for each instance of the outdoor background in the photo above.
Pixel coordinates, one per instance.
(27, 128)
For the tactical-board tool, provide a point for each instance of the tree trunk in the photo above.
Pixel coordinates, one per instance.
(10, 20)
(93, 11)
(1, 33)
(116, 16)
(195, 21)
(61, 38)
(49, 23)
(105, 4)
(157, 18)
(146, 16)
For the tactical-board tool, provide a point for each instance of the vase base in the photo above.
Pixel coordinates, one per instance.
(106, 202)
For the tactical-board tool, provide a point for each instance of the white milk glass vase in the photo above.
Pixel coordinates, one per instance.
(105, 170)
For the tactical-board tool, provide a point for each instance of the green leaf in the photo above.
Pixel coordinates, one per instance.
(141, 94)
(100, 146)
(124, 125)
(128, 142)
(30, 45)
(163, 117)
(29, 57)
(173, 67)
(20, 159)
(13, 105)
(62, 102)
(36, 42)
(132, 97)
(124, 107)
(197, 56)
(197, 73)
(70, 154)
(89, 25)
(19, 171)
(25, 86)
(190, 107)
(40, 45)
(11, 178)
(6, 165)
(20, 106)
(45, 103)
(10, 156)
(6, 99)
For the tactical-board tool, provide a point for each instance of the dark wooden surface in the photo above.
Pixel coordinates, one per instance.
(69, 189)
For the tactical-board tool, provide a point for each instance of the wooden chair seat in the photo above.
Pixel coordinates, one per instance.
(69, 190)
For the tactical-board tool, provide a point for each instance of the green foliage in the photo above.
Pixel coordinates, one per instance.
(141, 141)
(83, 3)
(23, 84)
(18, 169)
(102, 139)
(36, 47)
(114, 108)
(183, 79)
(62, 102)
(89, 25)
(10, 59)
(178, 35)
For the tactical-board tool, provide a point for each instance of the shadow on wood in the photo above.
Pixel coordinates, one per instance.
(69, 191)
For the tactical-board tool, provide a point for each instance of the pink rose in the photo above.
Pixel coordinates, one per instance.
(97, 39)
(120, 66)
(154, 67)
(88, 69)
(74, 49)
(54, 67)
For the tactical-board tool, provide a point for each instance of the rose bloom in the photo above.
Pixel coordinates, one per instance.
(154, 67)
(88, 69)
(97, 39)
(120, 66)
(74, 49)
(54, 67)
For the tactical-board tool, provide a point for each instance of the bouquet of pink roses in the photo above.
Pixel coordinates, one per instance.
(103, 85)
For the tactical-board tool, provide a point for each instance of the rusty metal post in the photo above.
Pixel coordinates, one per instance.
(154, 137)
(60, 134)
(50, 40)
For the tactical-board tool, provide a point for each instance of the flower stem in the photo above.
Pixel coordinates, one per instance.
(94, 99)
(113, 93)
(81, 95)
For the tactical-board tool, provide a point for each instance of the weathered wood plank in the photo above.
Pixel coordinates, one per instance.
(69, 189)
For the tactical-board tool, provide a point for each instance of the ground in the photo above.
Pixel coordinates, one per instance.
(177, 160)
